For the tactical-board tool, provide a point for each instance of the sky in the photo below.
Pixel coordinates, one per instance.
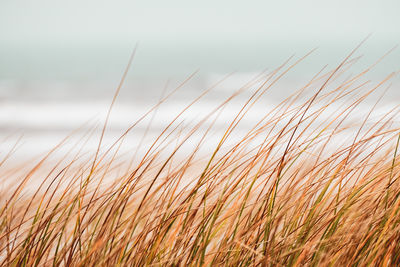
(82, 21)
(214, 35)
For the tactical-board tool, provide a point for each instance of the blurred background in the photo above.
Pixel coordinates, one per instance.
(60, 61)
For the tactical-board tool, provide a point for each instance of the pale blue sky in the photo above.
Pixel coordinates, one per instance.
(82, 21)
(54, 39)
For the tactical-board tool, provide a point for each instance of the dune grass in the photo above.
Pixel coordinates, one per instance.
(294, 189)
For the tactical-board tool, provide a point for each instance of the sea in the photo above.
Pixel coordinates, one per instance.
(50, 92)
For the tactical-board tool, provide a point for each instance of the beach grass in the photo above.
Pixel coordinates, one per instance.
(293, 189)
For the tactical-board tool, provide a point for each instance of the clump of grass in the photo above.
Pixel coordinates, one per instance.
(292, 190)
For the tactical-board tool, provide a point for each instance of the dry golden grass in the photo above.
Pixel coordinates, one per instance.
(291, 191)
